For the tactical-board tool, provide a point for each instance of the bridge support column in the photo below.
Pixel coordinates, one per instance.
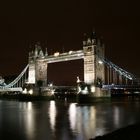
(120, 79)
(94, 70)
(114, 77)
(41, 72)
(108, 75)
(89, 65)
(126, 81)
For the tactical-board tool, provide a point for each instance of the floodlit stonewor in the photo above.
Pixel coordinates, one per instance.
(100, 75)
(91, 54)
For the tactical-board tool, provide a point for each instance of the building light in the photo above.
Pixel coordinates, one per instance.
(51, 84)
(70, 52)
(130, 78)
(52, 92)
(100, 62)
(30, 91)
(25, 91)
(85, 91)
(56, 54)
(92, 88)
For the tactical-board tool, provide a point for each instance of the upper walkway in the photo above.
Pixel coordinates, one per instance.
(71, 55)
(113, 86)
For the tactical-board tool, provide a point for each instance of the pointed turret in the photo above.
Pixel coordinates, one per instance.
(94, 38)
(91, 40)
(36, 50)
(41, 54)
(85, 39)
(93, 35)
(46, 53)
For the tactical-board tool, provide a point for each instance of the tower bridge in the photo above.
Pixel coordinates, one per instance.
(91, 54)
(100, 74)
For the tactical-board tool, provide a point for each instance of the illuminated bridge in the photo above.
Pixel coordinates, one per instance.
(100, 74)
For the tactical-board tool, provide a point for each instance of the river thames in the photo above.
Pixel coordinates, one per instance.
(63, 120)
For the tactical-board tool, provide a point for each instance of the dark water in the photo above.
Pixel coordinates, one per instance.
(63, 120)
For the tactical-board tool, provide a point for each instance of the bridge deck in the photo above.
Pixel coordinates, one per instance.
(73, 55)
(18, 89)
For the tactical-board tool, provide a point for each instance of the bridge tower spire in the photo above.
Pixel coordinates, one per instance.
(93, 66)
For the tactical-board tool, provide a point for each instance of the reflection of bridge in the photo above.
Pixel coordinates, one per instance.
(99, 73)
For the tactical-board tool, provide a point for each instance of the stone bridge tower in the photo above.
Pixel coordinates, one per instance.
(94, 69)
(37, 66)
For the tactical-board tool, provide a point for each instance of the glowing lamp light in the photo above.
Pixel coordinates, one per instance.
(100, 62)
(30, 91)
(70, 52)
(51, 85)
(85, 91)
(25, 91)
(52, 92)
(92, 88)
(56, 54)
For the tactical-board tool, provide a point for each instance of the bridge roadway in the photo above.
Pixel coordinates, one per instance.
(71, 55)
(15, 89)
(113, 86)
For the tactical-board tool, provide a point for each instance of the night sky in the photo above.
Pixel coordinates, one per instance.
(60, 26)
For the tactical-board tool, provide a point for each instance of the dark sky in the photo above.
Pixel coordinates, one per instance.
(60, 25)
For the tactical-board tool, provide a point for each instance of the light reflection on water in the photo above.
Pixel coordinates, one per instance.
(116, 116)
(82, 120)
(52, 115)
(27, 120)
(63, 120)
(72, 116)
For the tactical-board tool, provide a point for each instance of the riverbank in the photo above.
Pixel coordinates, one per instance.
(131, 132)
